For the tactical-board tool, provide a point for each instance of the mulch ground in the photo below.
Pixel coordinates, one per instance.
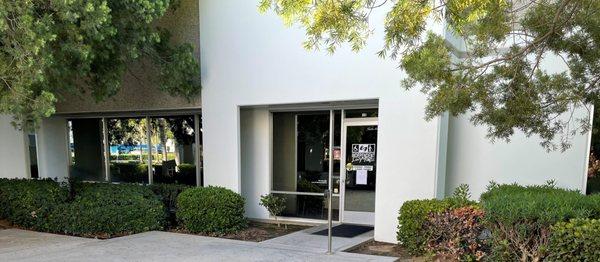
(256, 232)
(376, 248)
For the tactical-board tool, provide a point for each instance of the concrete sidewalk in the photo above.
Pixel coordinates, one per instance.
(22, 245)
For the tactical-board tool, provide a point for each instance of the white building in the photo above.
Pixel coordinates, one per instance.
(273, 115)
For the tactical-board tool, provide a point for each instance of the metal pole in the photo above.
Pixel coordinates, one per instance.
(330, 187)
(149, 142)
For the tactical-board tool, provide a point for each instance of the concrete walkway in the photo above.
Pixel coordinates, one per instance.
(22, 245)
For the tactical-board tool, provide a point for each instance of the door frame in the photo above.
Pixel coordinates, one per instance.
(348, 122)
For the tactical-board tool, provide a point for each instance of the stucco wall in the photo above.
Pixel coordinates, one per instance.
(251, 59)
(13, 150)
(255, 178)
(138, 92)
(53, 158)
(474, 160)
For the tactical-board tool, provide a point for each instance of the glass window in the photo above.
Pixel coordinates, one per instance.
(301, 152)
(86, 142)
(359, 113)
(128, 153)
(33, 164)
(174, 150)
(301, 157)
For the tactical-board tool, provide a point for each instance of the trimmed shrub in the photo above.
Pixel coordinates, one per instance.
(29, 203)
(211, 210)
(520, 217)
(411, 222)
(576, 240)
(101, 209)
(412, 232)
(455, 235)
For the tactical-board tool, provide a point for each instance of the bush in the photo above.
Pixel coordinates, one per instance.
(28, 203)
(576, 240)
(455, 235)
(107, 210)
(274, 204)
(168, 193)
(414, 214)
(211, 210)
(411, 222)
(520, 217)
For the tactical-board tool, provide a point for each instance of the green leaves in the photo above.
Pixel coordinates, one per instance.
(51, 47)
(492, 59)
(576, 240)
(211, 210)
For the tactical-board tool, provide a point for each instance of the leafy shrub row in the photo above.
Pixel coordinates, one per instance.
(30, 203)
(512, 223)
(520, 218)
(104, 210)
(100, 209)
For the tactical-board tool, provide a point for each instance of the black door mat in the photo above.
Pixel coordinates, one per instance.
(345, 230)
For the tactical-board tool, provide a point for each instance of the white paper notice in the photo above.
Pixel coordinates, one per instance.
(361, 177)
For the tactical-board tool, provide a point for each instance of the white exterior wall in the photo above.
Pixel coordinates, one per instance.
(252, 59)
(255, 130)
(53, 158)
(14, 155)
(474, 160)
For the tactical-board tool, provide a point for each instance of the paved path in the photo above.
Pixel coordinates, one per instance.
(21, 245)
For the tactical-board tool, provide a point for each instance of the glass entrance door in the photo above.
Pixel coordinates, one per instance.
(360, 169)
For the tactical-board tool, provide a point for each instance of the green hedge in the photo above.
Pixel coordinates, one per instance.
(211, 210)
(411, 220)
(576, 240)
(88, 209)
(29, 203)
(414, 214)
(520, 217)
(110, 209)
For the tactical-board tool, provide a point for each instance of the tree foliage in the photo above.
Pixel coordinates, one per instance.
(53, 46)
(492, 69)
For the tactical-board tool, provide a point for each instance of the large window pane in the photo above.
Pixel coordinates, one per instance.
(86, 149)
(128, 150)
(174, 150)
(301, 152)
(33, 161)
